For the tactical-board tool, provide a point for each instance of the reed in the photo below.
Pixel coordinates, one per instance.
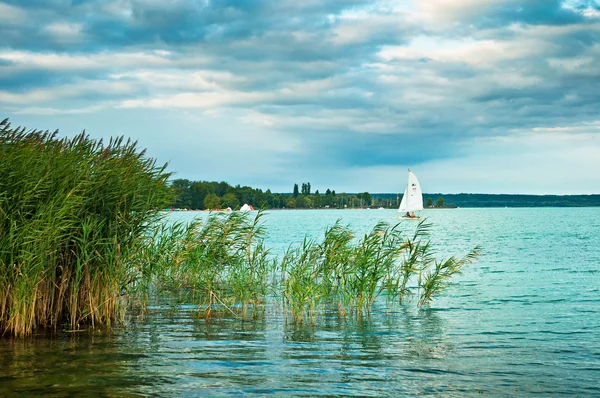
(219, 264)
(70, 211)
(351, 274)
(437, 278)
(222, 265)
(81, 242)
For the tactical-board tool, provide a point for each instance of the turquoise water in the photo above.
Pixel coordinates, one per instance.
(523, 320)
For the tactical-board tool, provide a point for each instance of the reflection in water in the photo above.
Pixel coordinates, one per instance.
(173, 353)
(67, 365)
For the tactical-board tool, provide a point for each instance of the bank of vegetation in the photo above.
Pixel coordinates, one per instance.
(203, 195)
(210, 195)
(82, 243)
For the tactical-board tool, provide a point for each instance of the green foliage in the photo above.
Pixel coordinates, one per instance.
(212, 201)
(301, 202)
(231, 201)
(306, 188)
(350, 276)
(71, 210)
(440, 202)
(436, 279)
(220, 264)
(193, 194)
(365, 199)
(290, 203)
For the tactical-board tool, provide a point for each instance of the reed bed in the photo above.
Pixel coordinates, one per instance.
(82, 243)
(70, 212)
(219, 265)
(350, 275)
(222, 266)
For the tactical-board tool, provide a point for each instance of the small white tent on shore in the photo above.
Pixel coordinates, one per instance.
(246, 207)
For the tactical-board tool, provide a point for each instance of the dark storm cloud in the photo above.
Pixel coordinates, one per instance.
(111, 24)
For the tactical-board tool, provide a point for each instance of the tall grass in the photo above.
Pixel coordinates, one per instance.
(81, 242)
(218, 264)
(221, 265)
(70, 211)
(351, 275)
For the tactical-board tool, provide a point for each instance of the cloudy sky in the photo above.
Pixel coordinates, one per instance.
(494, 96)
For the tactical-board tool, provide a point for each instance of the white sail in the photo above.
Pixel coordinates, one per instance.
(403, 202)
(412, 200)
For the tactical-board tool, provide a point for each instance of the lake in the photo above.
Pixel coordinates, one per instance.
(522, 320)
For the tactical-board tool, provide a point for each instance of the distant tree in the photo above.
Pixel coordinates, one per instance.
(439, 202)
(308, 202)
(278, 201)
(296, 190)
(230, 200)
(316, 200)
(301, 202)
(328, 192)
(305, 188)
(428, 202)
(365, 198)
(181, 187)
(198, 191)
(290, 203)
(332, 193)
(317, 193)
(222, 188)
(212, 201)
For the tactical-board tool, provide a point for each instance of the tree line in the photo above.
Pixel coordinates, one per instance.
(210, 195)
(203, 195)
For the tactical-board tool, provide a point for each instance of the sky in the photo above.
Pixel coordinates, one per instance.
(496, 96)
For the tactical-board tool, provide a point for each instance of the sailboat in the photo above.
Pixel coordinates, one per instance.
(412, 200)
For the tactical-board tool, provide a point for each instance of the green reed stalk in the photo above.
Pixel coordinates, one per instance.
(71, 211)
(218, 264)
(437, 278)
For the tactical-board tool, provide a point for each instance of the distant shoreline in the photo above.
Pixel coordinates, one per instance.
(375, 209)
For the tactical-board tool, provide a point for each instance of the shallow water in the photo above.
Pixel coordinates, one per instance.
(524, 319)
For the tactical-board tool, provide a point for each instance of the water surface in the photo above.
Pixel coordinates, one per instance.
(523, 320)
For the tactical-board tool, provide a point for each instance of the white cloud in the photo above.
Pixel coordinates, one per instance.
(199, 100)
(73, 90)
(483, 54)
(441, 14)
(12, 15)
(65, 32)
(94, 61)
(59, 111)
